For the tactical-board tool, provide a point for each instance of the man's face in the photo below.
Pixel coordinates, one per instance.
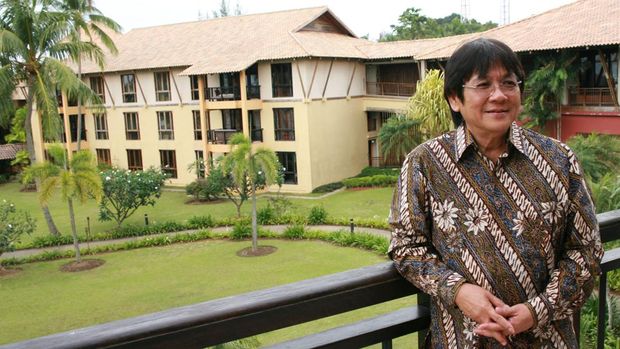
(490, 103)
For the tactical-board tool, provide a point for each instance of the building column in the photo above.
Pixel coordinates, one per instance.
(422, 68)
(245, 122)
(203, 121)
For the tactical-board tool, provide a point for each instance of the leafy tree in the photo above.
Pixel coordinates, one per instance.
(429, 107)
(125, 191)
(17, 134)
(13, 224)
(249, 169)
(84, 18)
(77, 179)
(413, 25)
(33, 47)
(598, 154)
(224, 10)
(545, 86)
(398, 136)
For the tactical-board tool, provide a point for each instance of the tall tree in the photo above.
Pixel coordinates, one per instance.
(398, 136)
(429, 106)
(85, 19)
(413, 25)
(77, 179)
(34, 43)
(246, 165)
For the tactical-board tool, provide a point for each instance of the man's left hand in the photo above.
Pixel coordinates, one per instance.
(519, 316)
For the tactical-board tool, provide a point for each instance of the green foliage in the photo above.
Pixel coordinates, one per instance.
(13, 224)
(317, 215)
(429, 107)
(51, 240)
(598, 154)
(205, 189)
(328, 188)
(588, 324)
(545, 86)
(125, 191)
(412, 25)
(373, 181)
(295, 231)
(17, 134)
(266, 215)
(606, 193)
(398, 136)
(22, 158)
(245, 343)
(373, 171)
(241, 231)
(201, 221)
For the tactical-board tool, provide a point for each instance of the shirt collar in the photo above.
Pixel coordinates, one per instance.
(464, 139)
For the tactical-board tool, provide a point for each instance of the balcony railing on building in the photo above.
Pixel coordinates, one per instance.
(399, 89)
(223, 320)
(221, 135)
(230, 93)
(591, 96)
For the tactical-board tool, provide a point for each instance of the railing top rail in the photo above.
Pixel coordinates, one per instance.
(609, 225)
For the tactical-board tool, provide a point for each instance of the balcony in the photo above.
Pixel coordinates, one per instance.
(223, 320)
(231, 93)
(257, 135)
(397, 89)
(594, 96)
(221, 136)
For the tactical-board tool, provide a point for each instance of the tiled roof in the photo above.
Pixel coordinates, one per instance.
(579, 24)
(409, 48)
(8, 151)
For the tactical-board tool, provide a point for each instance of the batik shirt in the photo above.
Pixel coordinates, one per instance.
(523, 228)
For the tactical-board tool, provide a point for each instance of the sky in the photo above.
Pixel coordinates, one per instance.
(363, 17)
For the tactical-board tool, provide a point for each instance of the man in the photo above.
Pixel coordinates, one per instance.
(495, 221)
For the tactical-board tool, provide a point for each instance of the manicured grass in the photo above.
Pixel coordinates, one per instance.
(366, 204)
(42, 300)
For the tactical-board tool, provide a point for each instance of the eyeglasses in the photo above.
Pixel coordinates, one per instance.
(485, 88)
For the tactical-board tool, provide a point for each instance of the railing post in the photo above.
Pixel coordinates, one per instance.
(386, 344)
(423, 299)
(602, 306)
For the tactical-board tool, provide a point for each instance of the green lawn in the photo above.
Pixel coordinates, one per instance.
(371, 203)
(42, 300)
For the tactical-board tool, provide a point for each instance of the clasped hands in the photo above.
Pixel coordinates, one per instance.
(495, 319)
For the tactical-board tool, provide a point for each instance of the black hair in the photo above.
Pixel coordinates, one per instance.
(477, 57)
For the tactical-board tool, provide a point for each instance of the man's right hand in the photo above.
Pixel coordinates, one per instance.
(479, 305)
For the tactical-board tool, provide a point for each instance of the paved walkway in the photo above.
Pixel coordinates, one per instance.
(274, 228)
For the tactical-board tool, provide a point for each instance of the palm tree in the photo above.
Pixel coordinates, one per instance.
(429, 106)
(247, 166)
(77, 180)
(86, 19)
(33, 46)
(398, 136)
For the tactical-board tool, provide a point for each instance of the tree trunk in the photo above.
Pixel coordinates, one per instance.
(76, 243)
(79, 105)
(51, 226)
(254, 225)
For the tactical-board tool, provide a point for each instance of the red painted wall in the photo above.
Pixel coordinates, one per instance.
(588, 122)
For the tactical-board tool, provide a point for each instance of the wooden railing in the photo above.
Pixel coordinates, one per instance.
(390, 89)
(223, 320)
(599, 96)
(223, 93)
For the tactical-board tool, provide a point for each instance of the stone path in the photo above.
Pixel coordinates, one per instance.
(274, 228)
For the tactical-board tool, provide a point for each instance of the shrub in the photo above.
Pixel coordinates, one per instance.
(374, 171)
(327, 188)
(598, 154)
(317, 215)
(373, 181)
(201, 222)
(241, 231)
(13, 223)
(204, 189)
(294, 231)
(266, 215)
(51, 240)
(606, 193)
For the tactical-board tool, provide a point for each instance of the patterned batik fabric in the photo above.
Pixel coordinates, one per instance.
(523, 228)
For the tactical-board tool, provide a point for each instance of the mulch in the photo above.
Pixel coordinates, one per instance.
(9, 271)
(260, 251)
(84, 264)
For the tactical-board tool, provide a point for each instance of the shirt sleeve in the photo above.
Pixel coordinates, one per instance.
(578, 263)
(410, 248)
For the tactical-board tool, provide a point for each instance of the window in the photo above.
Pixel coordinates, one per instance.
(164, 123)
(256, 132)
(162, 86)
(128, 82)
(168, 162)
(281, 80)
(103, 156)
(73, 127)
(288, 160)
(197, 125)
(134, 159)
(284, 124)
(231, 119)
(371, 120)
(101, 126)
(96, 84)
(200, 161)
(132, 126)
(193, 86)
